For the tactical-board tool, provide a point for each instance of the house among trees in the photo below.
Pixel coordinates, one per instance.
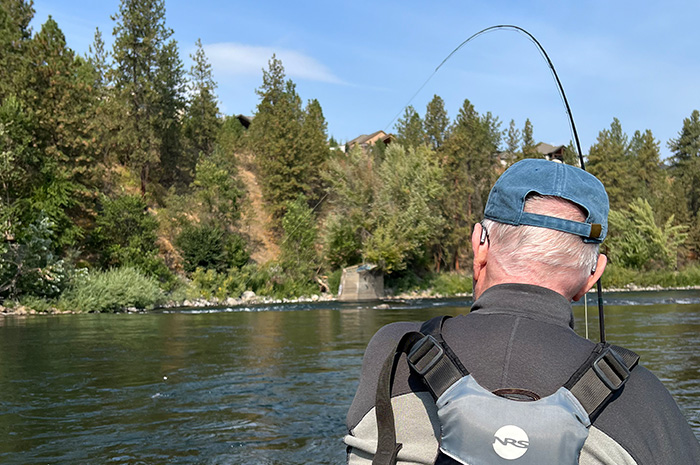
(548, 152)
(366, 141)
(244, 120)
(551, 152)
(506, 158)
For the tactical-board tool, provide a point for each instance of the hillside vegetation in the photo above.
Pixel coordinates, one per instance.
(120, 177)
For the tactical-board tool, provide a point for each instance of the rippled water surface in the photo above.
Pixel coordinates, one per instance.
(248, 385)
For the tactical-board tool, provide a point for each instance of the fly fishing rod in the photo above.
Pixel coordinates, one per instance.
(572, 124)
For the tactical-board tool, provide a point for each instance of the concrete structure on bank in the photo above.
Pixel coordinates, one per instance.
(361, 282)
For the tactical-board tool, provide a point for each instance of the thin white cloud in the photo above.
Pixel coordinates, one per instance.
(229, 59)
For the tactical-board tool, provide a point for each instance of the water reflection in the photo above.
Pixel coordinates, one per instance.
(255, 385)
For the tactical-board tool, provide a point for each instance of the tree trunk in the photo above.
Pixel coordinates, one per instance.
(144, 179)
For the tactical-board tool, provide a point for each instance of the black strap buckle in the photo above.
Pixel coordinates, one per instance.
(419, 351)
(615, 365)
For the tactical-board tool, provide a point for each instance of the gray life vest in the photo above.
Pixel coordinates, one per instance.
(511, 426)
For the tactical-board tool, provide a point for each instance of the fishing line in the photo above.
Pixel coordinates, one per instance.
(544, 55)
(572, 126)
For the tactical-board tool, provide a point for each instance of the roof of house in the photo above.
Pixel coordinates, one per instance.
(546, 149)
(364, 138)
(245, 120)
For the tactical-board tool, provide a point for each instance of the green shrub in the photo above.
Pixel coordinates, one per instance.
(236, 251)
(216, 189)
(405, 281)
(250, 277)
(272, 279)
(640, 243)
(445, 284)
(230, 135)
(298, 255)
(125, 235)
(342, 243)
(30, 265)
(689, 276)
(202, 246)
(206, 283)
(334, 281)
(451, 284)
(259, 278)
(180, 289)
(124, 229)
(111, 291)
(210, 247)
(618, 277)
(38, 304)
(294, 286)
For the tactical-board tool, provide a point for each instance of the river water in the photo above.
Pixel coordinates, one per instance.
(256, 385)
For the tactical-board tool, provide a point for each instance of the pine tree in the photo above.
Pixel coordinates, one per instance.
(170, 88)
(685, 169)
(656, 188)
(15, 35)
(528, 141)
(513, 139)
(315, 148)
(436, 123)
(46, 167)
(60, 101)
(409, 129)
(231, 137)
(610, 161)
(19, 167)
(202, 122)
(470, 170)
(105, 117)
(650, 184)
(18, 154)
(148, 80)
(571, 155)
(99, 58)
(685, 162)
(275, 137)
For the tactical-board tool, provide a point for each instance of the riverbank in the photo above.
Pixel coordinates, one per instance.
(249, 298)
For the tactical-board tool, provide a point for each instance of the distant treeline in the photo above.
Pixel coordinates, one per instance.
(121, 159)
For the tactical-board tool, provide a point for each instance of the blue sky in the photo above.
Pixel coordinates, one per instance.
(634, 60)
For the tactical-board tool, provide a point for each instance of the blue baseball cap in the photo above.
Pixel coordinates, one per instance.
(506, 203)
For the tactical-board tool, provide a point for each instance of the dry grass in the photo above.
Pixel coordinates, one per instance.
(256, 222)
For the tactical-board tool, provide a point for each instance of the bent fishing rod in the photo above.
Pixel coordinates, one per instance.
(572, 124)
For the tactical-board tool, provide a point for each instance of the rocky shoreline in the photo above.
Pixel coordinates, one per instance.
(250, 298)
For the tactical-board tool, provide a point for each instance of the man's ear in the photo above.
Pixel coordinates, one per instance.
(480, 248)
(596, 273)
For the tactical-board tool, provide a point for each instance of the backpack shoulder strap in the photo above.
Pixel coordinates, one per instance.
(601, 376)
(433, 360)
(429, 357)
(387, 447)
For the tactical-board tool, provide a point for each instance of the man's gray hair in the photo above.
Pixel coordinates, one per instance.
(542, 253)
